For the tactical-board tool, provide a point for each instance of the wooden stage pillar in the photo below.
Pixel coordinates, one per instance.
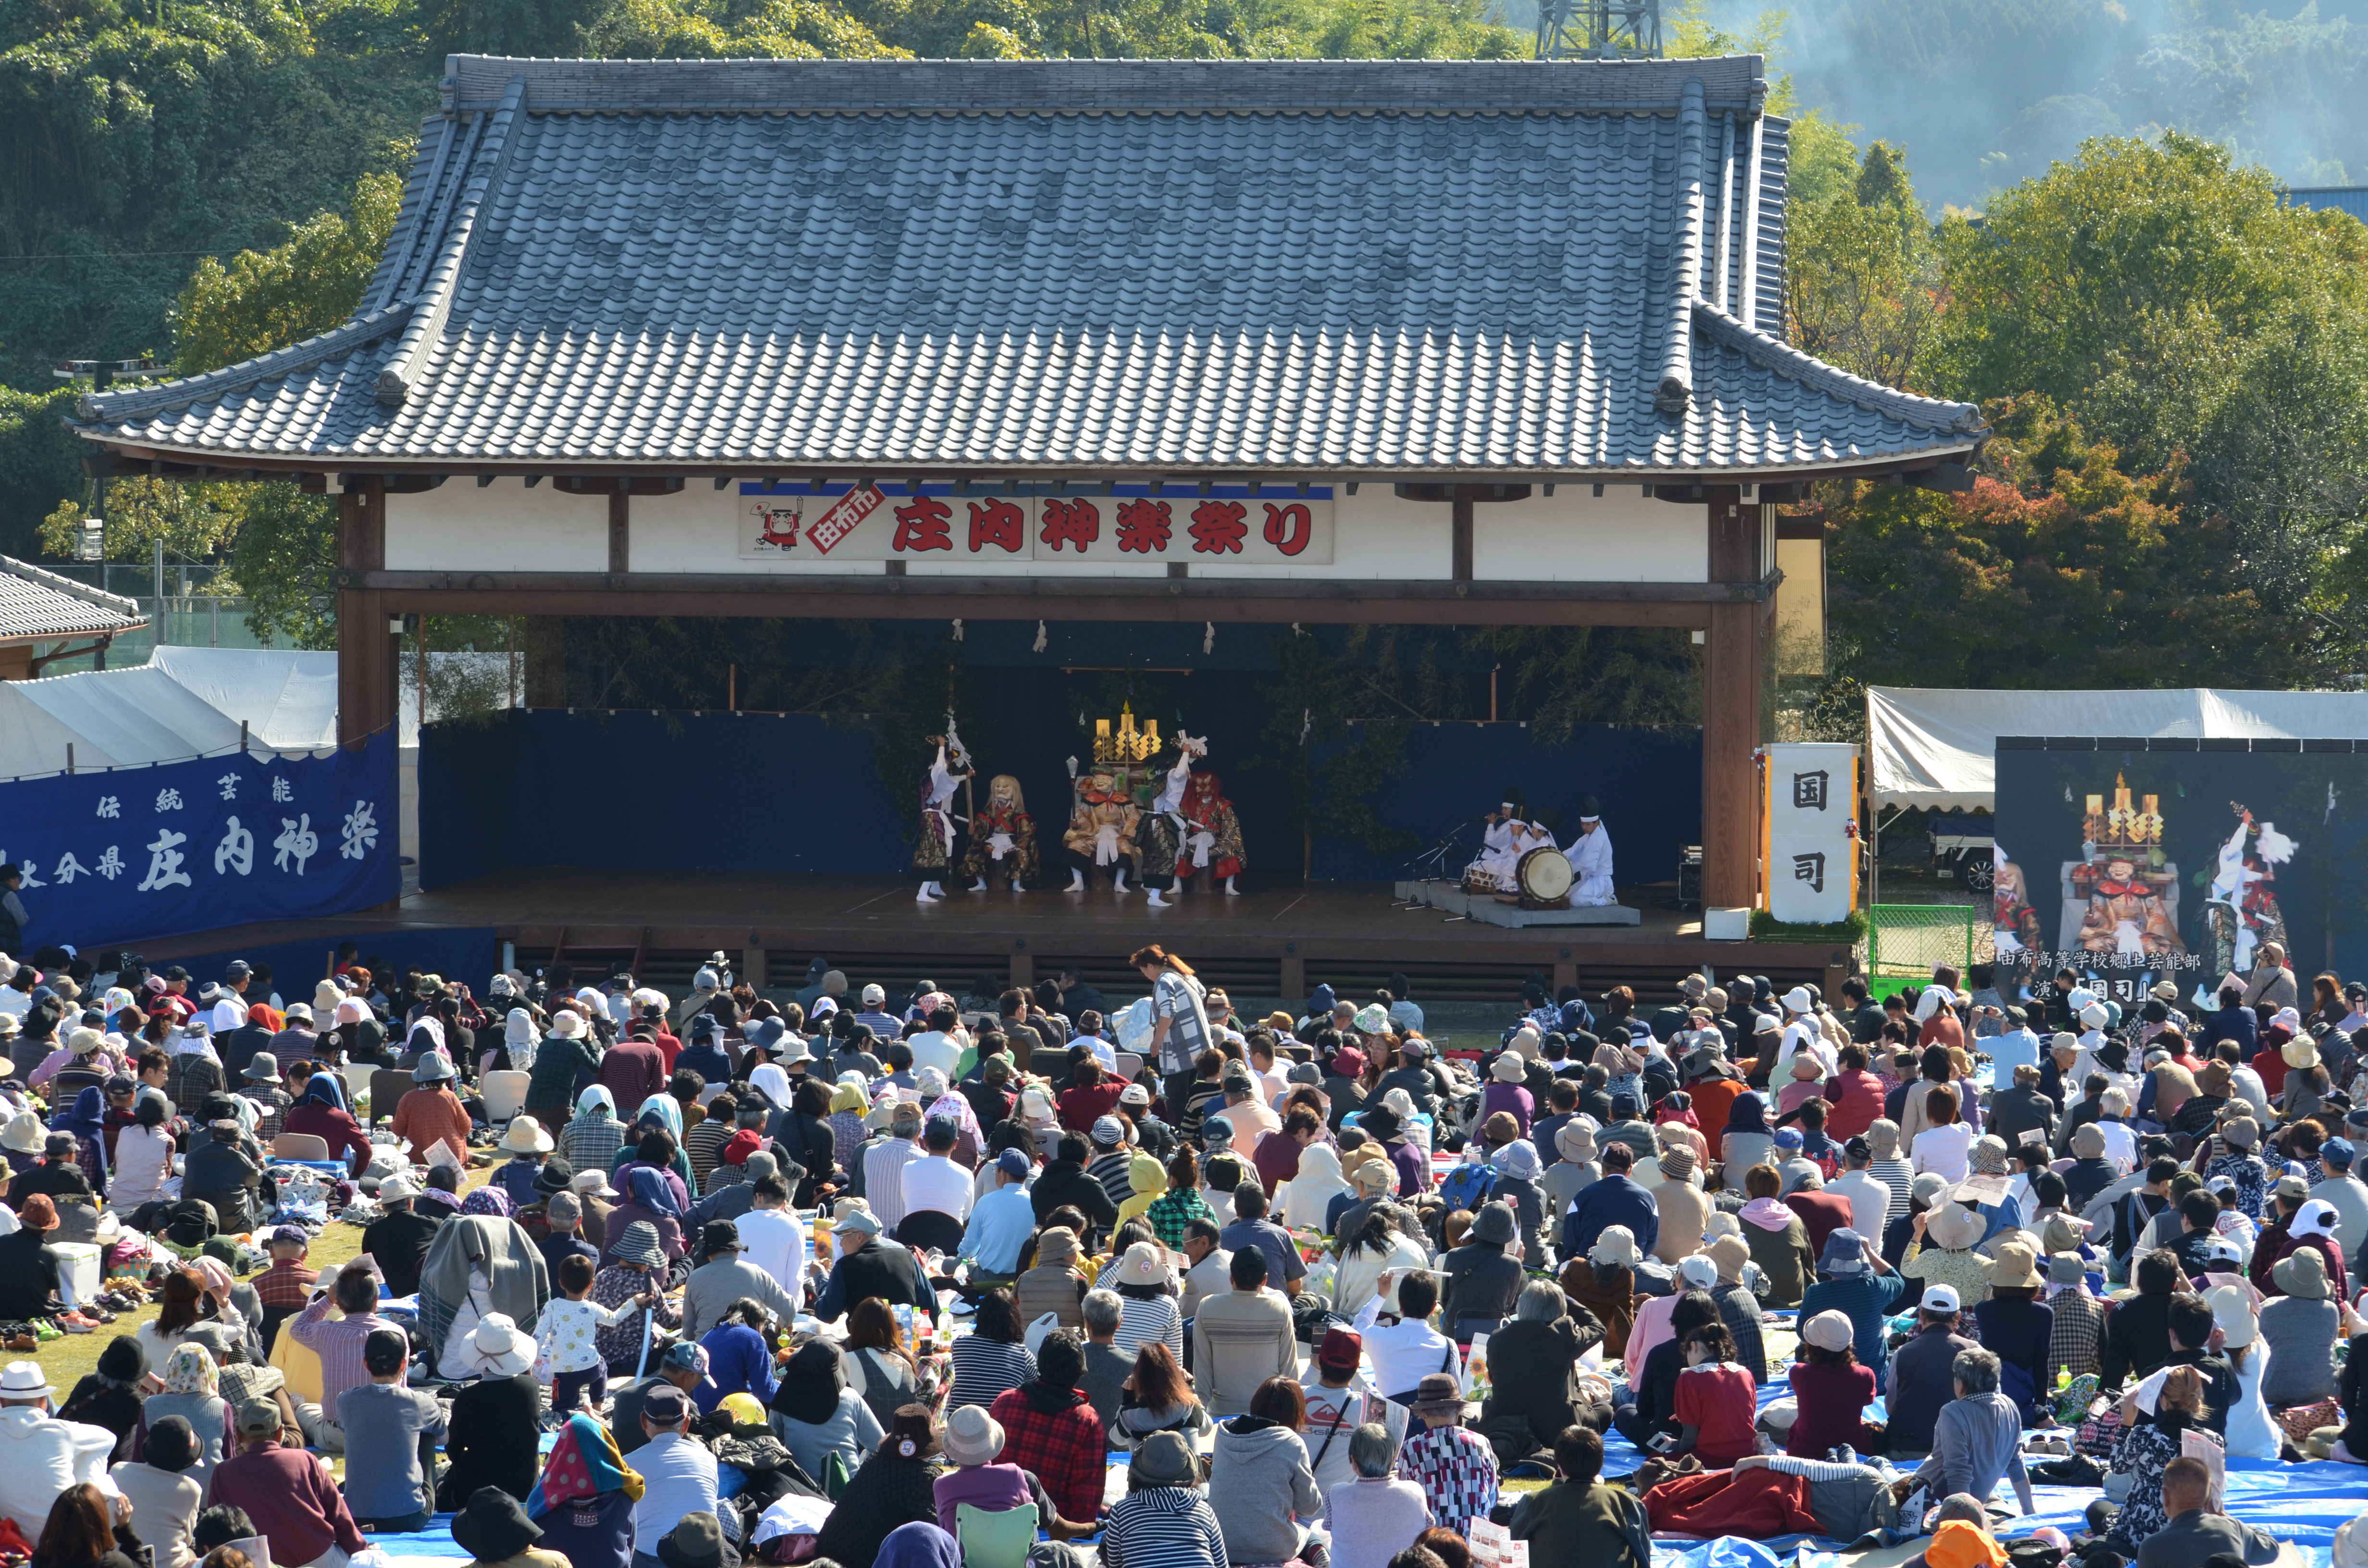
(366, 649)
(1731, 711)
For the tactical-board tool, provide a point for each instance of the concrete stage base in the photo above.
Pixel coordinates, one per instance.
(1492, 910)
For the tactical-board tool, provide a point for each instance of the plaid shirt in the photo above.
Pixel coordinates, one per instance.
(338, 1345)
(1065, 1449)
(1171, 1211)
(591, 1141)
(194, 1075)
(1739, 1309)
(271, 1104)
(2077, 1342)
(614, 1286)
(287, 1283)
(1457, 1473)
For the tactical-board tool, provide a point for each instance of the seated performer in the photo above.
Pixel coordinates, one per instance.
(1590, 861)
(1212, 841)
(1002, 837)
(1101, 831)
(933, 852)
(1160, 834)
(1503, 839)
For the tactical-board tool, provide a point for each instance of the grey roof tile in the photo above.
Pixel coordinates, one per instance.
(1412, 267)
(34, 603)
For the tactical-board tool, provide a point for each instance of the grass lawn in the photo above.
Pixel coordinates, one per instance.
(69, 1360)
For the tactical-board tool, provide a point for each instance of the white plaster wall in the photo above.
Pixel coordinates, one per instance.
(1573, 536)
(503, 526)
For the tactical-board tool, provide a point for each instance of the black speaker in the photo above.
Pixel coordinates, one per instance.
(1689, 875)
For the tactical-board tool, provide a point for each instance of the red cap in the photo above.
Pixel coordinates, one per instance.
(1341, 1350)
(740, 1146)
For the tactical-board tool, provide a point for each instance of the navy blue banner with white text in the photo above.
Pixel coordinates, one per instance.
(127, 854)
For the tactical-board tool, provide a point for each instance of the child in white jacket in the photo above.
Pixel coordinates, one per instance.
(143, 1158)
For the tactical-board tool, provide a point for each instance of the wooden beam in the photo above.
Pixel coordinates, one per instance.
(1731, 717)
(1460, 565)
(621, 531)
(366, 650)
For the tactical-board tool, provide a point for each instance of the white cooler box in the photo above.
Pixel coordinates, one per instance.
(79, 1269)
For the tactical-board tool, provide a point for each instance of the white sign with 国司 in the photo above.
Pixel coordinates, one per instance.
(1812, 832)
(794, 523)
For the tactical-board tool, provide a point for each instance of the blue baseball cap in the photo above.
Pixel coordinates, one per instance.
(1788, 1138)
(1014, 1163)
(2336, 1151)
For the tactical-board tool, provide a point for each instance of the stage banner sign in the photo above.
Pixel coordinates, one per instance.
(1810, 842)
(128, 853)
(2137, 867)
(794, 523)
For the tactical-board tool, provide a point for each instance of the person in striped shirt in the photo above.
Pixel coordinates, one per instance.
(991, 1359)
(1162, 1521)
(340, 1344)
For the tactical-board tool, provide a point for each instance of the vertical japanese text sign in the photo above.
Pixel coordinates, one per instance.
(1811, 805)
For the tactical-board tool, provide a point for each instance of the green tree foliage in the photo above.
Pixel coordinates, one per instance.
(2164, 292)
(2057, 569)
(40, 463)
(267, 300)
(1863, 292)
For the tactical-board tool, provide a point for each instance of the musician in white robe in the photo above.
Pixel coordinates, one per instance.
(1590, 861)
(1503, 839)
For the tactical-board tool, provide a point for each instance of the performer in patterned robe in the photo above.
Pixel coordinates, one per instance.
(1002, 838)
(933, 850)
(1160, 839)
(1101, 831)
(1212, 836)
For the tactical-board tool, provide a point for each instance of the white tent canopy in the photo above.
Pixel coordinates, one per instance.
(186, 702)
(1936, 749)
(288, 698)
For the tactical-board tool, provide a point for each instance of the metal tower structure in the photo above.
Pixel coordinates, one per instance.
(1598, 30)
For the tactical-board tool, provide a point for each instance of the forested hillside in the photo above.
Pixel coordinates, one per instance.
(1980, 94)
(2174, 360)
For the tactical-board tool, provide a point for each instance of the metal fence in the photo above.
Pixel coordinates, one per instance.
(1909, 938)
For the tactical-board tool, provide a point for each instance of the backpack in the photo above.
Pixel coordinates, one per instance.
(1468, 1185)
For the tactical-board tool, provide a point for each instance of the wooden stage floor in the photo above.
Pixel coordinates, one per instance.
(1274, 940)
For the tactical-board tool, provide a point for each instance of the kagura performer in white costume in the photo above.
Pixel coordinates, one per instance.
(1590, 861)
(933, 852)
(1503, 839)
(1161, 835)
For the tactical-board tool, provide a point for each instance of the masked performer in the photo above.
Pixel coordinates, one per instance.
(1002, 838)
(2126, 915)
(1101, 831)
(1590, 861)
(934, 852)
(1160, 837)
(1212, 839)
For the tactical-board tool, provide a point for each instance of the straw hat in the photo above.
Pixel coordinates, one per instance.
(526, 1136)
(2014, 1266)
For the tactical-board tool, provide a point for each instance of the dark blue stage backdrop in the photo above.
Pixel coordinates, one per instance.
(125, 855)
(768, 792)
